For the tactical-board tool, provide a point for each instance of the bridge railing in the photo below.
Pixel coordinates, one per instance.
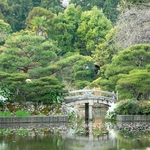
(91, 93)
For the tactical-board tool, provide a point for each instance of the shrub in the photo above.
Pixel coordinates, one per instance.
(145, 107)
(5, 114)
(22, 113)
(133, 107)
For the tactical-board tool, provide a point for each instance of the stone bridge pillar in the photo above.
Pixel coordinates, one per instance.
(91, 111)
(91, 137)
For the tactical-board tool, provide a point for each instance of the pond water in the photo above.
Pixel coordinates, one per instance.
(133, 136)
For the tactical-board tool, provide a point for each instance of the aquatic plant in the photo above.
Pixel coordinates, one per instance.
(5, 131)
(22, 131)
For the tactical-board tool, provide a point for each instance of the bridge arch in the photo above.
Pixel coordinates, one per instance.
(89, 98)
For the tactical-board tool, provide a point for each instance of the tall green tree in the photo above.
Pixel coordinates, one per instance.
(64, 28)
(18, 11)
(105, 51)
(52, 5)
(21, 56)
(5, 30)
(39, 20)
(92, 29)
(39, 26)
(36, 3)
(75, 71)
(110, 9)
(89, 4)
(24, 51)
(4, 10)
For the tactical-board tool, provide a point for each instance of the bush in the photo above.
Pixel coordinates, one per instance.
(145, 107)
(133, 107)
(22, 113)
(5, 114)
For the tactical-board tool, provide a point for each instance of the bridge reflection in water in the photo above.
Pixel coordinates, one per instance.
(89, 99)
(91, 142)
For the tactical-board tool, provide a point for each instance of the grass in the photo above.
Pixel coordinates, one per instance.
(5, 114)
(22, 113)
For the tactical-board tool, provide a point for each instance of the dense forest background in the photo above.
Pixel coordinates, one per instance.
(48, 47)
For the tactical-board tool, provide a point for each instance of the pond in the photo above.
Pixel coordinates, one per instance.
(120, 136)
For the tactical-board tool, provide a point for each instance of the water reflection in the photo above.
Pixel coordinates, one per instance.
(46, 141)
(41, 137)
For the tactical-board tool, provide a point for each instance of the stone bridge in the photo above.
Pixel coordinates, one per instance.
(89, 98)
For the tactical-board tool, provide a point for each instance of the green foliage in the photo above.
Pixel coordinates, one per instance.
(26, 52)
(79, 84)
(128, 4)
(5, 30)
(23, 52)
(5, 131)
(144, 107)
(88, 4)
(133, 107)
(64, 28)
(26, 56)
(75, 71)
(5, 114)
(4, 27)
(105, 51)
(4, 10)
(13, 85)
(137, 1)
(111, 115)
(5, 93)
(119, 72)
(92, 30)
(22, 113)
(62, 67)
(136, 84)
(18, 11)
(36, 3)
(52, 5)
(46, 90)
(39, 20)
(84, 72)
(22, 131)
(110, 9)
(15, 12)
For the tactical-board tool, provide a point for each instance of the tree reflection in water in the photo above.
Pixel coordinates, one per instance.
(62, 137)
